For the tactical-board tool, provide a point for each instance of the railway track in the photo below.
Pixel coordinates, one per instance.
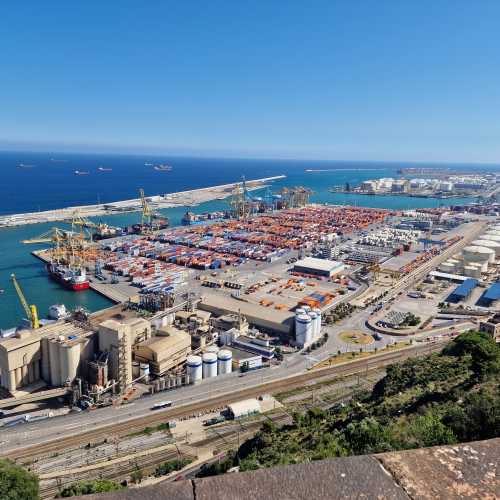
(27, 454)
(116, 472)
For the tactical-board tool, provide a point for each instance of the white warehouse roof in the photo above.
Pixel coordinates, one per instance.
(243, 408)
(320, 264)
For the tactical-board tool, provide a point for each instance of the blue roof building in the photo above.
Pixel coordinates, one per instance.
(492, 294)
(463, 291)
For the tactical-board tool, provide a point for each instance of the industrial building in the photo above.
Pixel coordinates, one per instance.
(243, 358)
(165, 351)
(116, 337)
(463, 290)
(491, 327)
(262, 318)
(54, 354)
(244, 408)
(492, 295)
(318, 267)
(259, 345)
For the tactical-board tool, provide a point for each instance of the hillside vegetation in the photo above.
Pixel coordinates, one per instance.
(443, 398)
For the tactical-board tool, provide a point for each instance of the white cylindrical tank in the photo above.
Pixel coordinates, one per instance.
(491, 236)
(69, 356)
(447, 267)
(135, 369)
(300, 311)
(493, 232)
(314, 326)
(194, 369)
(212, 348)
(209, 365)
(494, 245)
(318, 321)
(472, 271)
(477, 254)
(224, 362)
(303, 330)
(306, 309)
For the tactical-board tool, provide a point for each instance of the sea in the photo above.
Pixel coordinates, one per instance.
(34, 181)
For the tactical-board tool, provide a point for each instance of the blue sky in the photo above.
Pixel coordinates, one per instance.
(365, 79)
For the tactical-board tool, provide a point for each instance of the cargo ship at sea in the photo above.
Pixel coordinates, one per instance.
(163, 168)
(72, 279)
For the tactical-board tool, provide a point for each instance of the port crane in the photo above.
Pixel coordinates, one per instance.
(148, 217)
(30, 310)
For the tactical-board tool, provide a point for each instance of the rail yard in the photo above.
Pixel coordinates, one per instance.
(215, 318)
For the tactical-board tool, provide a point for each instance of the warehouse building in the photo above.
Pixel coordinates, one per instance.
(463, 291)
(245, 408)
(164, 352)
(492, 295)
(262, 318)
(318, 267)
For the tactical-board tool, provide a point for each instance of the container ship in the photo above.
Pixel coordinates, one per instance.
(192, 219)
(71, 279)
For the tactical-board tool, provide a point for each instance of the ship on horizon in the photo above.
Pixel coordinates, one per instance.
(163, 168)
(24, 165)
(104, 169)
(82, 172)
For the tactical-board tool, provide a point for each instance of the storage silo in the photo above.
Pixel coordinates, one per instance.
(135, 369)
(69, 356)
(318, 321)
(306, 309)
(144, 371)
(224, 362)
(478, 254)
(314, 326)
(494, 245)
(212, 348)
(194, 369)
(303, 330)
(491, 235)
(299, 311)
(209, 365)
(447, 267)
(472, 271)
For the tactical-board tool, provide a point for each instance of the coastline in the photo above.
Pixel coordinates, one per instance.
(169, 200)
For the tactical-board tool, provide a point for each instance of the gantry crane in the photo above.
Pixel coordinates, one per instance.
(147, 212)
(30, 310)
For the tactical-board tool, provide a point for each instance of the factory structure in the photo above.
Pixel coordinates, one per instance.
(104, 359)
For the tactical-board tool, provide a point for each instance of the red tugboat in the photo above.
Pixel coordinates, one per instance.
(72, 279)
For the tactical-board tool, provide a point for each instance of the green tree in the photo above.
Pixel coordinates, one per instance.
(88, 487)
(17, 483)
(483, 350)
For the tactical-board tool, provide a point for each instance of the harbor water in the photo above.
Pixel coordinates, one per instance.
(47, 181)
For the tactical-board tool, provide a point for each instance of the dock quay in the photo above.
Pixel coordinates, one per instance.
(169, 200)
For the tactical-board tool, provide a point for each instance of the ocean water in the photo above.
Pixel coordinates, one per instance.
(50, 184)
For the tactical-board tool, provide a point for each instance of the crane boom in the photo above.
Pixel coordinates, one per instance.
(30, 310)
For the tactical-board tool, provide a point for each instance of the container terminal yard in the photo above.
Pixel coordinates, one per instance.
(214, 322)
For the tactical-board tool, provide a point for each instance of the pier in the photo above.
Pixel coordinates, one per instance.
(169, 200)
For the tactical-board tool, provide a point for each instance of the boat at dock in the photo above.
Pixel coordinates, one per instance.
(192, 219)
(71, 279)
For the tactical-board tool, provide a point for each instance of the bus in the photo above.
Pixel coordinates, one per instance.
(161, 404)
